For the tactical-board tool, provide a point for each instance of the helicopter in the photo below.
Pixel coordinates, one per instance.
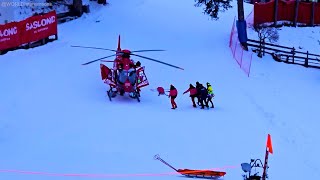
(126, 76)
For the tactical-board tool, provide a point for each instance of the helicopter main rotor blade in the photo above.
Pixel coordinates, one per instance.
(158, 61)
(95, 48)
(116, 50)
(106, 61)
(148, 50)
(97, 59)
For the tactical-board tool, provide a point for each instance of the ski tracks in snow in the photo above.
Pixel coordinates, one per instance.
(261, 110)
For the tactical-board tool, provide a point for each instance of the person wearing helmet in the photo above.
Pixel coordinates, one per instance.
(193, 94)
(173, 93)
(203, 96)
(210, 94)
(138, 64)
(198, 92)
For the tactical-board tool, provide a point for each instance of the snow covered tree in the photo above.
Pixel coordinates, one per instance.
(213, 7)
(269, 33)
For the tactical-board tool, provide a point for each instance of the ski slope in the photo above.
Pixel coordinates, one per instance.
(55, 116)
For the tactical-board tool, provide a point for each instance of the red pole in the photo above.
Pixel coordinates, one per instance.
(264, 176)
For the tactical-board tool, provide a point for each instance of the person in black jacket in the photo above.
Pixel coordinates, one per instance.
(198, 87)
(203, 96)
(137, 65)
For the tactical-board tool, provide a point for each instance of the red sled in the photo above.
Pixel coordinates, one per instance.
(201, 173)
(207, 174)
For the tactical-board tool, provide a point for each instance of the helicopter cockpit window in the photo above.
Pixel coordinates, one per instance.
(122, 76)
(132, 76)
(127, 74)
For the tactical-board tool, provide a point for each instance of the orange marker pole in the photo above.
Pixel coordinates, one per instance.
(265, 165)
(268, 149)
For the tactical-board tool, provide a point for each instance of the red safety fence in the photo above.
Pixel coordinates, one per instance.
(264, 12)
(29, 30)
(242, 57)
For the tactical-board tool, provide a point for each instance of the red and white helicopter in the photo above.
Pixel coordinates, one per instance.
(126, 76)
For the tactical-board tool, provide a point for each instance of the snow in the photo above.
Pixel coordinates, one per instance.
(55, 116)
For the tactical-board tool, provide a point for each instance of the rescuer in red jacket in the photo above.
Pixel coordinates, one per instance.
(173, 93)
(193, 93)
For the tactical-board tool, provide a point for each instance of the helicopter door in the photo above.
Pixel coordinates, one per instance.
(106, 75)
(142, 78)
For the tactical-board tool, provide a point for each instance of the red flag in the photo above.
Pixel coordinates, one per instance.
(269, 144)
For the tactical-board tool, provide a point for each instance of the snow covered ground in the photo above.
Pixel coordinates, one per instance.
(55, 117)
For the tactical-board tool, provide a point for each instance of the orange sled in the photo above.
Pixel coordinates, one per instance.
(208, 174)
(201, 173)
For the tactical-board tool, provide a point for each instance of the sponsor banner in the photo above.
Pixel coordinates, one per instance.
(10, 35)
(38, 27)
(31, 29)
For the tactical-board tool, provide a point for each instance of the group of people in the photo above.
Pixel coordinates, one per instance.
(203, 95)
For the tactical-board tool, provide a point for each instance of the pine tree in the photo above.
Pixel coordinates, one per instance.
(213, 7)
(77, 5)
(104, 2)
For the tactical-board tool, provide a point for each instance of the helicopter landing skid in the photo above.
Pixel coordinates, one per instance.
(135, 95)
(111, 94)
(108, 93)
(138, 97)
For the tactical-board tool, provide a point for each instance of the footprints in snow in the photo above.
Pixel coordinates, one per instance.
(268, 115)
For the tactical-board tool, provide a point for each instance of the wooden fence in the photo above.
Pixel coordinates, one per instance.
(285, 54)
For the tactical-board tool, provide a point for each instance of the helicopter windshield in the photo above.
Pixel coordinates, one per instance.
(128, 74)
(132, 76)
